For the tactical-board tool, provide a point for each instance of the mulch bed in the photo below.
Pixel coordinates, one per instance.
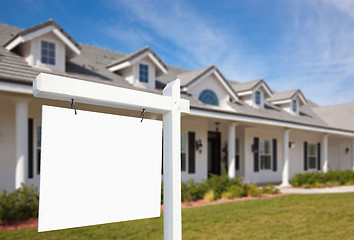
(18, 224)
(33, 222)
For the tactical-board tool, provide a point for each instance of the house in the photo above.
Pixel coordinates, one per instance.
(245, 128)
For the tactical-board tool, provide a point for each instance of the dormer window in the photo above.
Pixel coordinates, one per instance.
(143, 73)
(48, 53)
(258, 98)
(294, 106)
(209, 97)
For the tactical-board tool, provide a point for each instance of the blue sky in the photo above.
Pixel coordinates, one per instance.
(306, 44)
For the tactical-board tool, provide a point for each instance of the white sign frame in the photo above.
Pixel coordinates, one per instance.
(169, 104)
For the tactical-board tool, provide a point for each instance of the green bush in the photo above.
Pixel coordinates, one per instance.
(269, 189)
(21, 204)
(320, 179)
(253, 190)
(209, 196)
(196, 190)
(236, 191)
(226, 195)
(221, 183)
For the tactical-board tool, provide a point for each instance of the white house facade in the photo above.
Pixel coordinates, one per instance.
(245, 129)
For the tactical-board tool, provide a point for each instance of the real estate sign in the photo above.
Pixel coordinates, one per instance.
(98, 168)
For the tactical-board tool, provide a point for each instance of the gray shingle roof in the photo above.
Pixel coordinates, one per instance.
(337, 116)
(283, 95)
(39, 26)
(188, 77)
(245, 86)
(136, 54)
(171, 75)
(92, 64)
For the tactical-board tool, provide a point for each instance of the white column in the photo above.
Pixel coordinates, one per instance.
(232, 151)
(172, 165)
(325, 153)
(285, 176)
(21, 142)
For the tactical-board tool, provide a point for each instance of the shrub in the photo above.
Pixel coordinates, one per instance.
(187, 197)
(21, 204)
(332, 184)
(226, 195)
(221, 183)
(236, 191)
(319, 179)
(269, 189)
(253, 190)
(209, 196)
(196, 190)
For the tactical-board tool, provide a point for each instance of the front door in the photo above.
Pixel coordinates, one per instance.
(214, 161)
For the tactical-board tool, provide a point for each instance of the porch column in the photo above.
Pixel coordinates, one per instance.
(325, 153)
(21, 130)
(285, 174)
(232, 152)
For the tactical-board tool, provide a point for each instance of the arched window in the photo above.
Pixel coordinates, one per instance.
(209, 97)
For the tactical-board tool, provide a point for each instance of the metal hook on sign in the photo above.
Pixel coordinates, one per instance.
(142, 115)
(73, 106)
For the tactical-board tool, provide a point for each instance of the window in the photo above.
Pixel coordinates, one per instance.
(265, 147)
(209, 97)
(48, 53)
(183, 151)
(312, 156)
(258, 97)
(143, 73)
(39, 144)
(294, 105)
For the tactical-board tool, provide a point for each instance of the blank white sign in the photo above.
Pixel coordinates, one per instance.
(98, 168)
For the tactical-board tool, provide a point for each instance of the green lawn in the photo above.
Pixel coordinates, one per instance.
(329, 216)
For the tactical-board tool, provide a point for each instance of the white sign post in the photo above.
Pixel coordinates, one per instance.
(169, 104)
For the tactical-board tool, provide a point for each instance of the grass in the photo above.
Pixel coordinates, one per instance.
(327, 216)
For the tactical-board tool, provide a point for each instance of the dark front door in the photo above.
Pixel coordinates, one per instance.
(214, 161)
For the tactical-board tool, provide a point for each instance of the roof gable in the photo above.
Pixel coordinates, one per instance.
(247, 88)
(39, 30)
(137, 56)
(192, 78)
(287, 96)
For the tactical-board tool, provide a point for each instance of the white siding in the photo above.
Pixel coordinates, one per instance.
(200, 129)
(7, 145)
(338, 158)
(296, 154)
(152, 73)
(32, 53)
(262, 175)
(212, 83)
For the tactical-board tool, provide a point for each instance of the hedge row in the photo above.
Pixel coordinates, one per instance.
(220, 186)
(320, 179)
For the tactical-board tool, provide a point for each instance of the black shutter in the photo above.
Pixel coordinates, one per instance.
(318, 156)
(305, 156)
(275, 155)
(162, 156)
(191, 152)
(255, 154)
(30, 148)
(237, 165)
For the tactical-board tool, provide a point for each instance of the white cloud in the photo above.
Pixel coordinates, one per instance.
(198, 40)
(322, 58)
(316, 53)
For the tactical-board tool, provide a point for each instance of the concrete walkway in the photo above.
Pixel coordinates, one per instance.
(341, 189)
